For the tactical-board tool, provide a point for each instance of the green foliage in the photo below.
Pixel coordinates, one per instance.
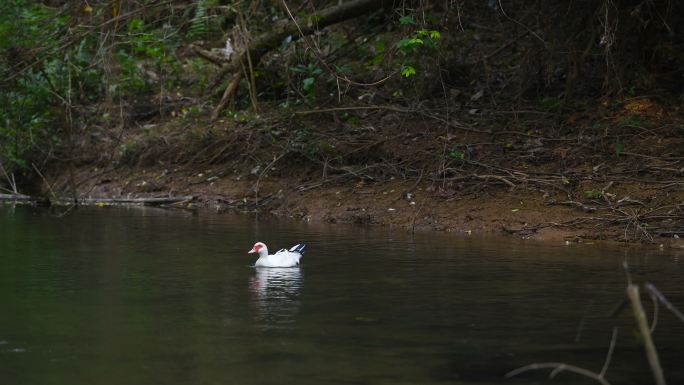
(407, 20)
(204, 23)
(51, 68)
(198, 24)
(309, 73)
(407, 71)
(412, 48)
(351, 119)
(457, 151)
(145, 58)
(415, 43)
(408, 45)
(434, 35)
(551, 103)
(308, 85)
(27, 115)
(379, 48)
(456, 154)
(593, 194)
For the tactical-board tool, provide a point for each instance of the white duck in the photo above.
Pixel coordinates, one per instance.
(283, 258)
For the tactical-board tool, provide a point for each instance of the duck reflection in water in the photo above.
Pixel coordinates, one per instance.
(275, 295)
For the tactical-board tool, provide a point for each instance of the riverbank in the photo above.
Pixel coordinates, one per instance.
(614, 172)
(410, 176)
(405, 205)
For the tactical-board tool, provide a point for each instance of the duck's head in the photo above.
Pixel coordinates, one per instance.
(258, 247)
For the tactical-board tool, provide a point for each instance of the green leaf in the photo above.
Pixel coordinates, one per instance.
(551, 103)
(299, 69)
(408, 71)
(619, 147)
(377, 59)
(593, 194)
(308, 83)
(135, 25)
(456, 154)
(434, 35)
(198, 25)
(406, 20)
(403, 44)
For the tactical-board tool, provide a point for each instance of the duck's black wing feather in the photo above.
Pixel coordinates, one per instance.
(298, 248)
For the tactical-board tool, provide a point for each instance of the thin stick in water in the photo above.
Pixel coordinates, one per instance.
(654, 291)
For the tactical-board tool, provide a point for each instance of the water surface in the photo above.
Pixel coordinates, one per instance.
(147, 296)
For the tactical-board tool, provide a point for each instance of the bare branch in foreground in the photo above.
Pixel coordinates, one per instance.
(644, 329)
(561, 366)
(557, 368)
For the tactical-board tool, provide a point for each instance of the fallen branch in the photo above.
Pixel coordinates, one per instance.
(95, 201)
(585, 208)
(262, 44)
(49, 186)
(400, 109)
(208, 55)
(497, 177)
(10, 180)
(144, 201)
(16, 197)
(227, 96)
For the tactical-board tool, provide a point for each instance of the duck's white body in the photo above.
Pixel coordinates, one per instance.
(283, 258)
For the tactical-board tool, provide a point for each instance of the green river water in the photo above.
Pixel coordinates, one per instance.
(133, 296)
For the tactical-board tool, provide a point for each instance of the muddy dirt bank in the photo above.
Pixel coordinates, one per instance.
(405, 205)
(613, 171)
